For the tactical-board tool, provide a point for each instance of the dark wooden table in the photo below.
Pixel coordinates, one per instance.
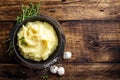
(92, 30)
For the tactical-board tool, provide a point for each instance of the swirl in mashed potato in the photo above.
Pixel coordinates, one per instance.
(37, 40)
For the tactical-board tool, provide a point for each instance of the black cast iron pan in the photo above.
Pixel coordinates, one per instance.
(55, 55)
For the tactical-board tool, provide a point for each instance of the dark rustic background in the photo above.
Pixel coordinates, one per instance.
(92, 30)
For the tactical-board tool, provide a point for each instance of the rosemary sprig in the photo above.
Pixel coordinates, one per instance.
(7, 40)
(59, 78)
(28, 11)
(44, 77)
(10, 49)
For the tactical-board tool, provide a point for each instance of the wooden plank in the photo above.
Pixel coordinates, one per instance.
(78, 71)
(86, 41)
(89, 41)
(5, 28)
(66, 10)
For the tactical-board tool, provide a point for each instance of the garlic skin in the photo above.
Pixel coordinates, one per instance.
(67, 55)
(61, 71)
(53, 69)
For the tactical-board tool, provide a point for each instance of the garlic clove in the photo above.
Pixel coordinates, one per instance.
(61, 71)
(67, 55)
(53, 69)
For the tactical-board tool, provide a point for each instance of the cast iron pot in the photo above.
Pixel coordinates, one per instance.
(55, 55)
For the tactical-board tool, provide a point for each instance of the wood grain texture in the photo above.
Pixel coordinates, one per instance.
(89, 41)
(78, 71)
(92, 30)
(93, 41)
(66, 9)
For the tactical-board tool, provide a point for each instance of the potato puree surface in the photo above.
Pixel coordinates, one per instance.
(37, 40)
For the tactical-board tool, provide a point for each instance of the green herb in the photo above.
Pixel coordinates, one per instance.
(23, 41)
(29, 11)
(10, 49)
(7, 40)
(59, 78)
(44, 77)
(22, 38)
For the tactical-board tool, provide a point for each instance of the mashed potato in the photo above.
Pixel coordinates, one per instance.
(37, 40)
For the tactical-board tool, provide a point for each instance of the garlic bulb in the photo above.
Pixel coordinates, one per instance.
(53, 69)
(67, 55)
(61, 71)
